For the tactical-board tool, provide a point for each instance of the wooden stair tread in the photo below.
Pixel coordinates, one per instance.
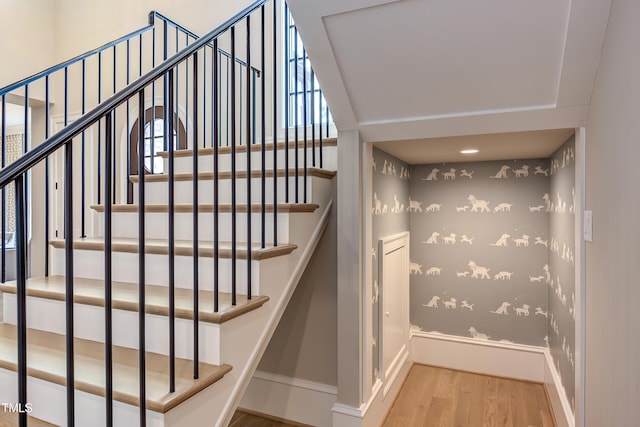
(182, 247)
(208, 208)
(125, 297)
(10, 419)
(46, 360)
(326, 142)
(225, 175)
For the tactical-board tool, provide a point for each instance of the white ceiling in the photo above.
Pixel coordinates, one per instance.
(413, 70)
(500, 146)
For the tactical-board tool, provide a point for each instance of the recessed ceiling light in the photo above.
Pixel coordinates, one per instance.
(469, 151)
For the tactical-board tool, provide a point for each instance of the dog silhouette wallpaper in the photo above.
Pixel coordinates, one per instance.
(492, 248)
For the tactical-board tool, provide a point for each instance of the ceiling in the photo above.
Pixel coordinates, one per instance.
(500, 146)
(412, 74)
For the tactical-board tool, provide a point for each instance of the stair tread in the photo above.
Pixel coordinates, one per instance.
(46, 359)
(182, 247)
(225, 175)
(10, 419)
(125, 297)
(208, 207)
(326, 142)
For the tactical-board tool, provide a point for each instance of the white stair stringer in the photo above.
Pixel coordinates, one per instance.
(243, 340)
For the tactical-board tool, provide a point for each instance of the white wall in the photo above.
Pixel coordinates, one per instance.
(90, 23)
(612, 292)
(304, 344)
(26, 41)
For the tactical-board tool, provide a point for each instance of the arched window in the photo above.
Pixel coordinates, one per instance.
(154, 142)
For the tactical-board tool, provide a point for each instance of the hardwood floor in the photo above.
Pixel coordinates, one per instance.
(245, 418)
(442, 397)
(11, 420)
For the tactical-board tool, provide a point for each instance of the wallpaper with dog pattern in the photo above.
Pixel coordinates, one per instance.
(478, 254)
(561, 280)
(390, 216)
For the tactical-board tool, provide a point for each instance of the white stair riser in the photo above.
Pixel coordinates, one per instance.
(49, 402)
(205, 161)
(90, 265)
(125, 224)
(157, 192)
(49, 315)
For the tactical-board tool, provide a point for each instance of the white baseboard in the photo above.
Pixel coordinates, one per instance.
(293, 399)
(473, 355)
(557, 394)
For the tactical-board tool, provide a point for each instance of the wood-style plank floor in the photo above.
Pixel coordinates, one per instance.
(442, 397)
(243, 418)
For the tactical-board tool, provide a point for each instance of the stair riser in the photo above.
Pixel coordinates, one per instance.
(205, 161)
(157, 192)
(49, 401)
(90, 265)
(49, 315)
(125, 224)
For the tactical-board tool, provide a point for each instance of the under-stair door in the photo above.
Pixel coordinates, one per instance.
(394, 316)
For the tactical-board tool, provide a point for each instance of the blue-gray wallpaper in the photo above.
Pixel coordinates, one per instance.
(478, 254)
(561, 283)
(391, 178)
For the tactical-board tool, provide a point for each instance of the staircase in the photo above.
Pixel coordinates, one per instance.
(159, 315)
(231, 339)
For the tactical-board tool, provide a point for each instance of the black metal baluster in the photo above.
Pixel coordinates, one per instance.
(83, 234)
(196, 269)
(233, 168)
(68, 240)
(326, 110)
(313, 118)
(186, 101)
(108, 304)
(177, 88)
(25, 148)
(21, 290)
(128, 129)
(215, 131)
(248, 124)
(204, 98)
(304, 121)
(296, 112)
(287, 100)
(152, 125)
(320, 125)
(115, 146)
(240, 97)
(141, 265)
(168, 140)
(100, 129)
(275, 127)
(263, 148)
(229, 123)
(140, 56)
(165, 51)
(46, 179)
